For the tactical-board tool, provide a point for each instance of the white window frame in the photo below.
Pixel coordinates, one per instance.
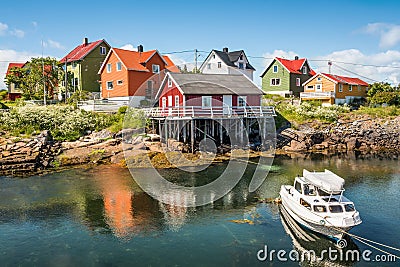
(108, 85)
(241, 65)
(177, 101)
(320, 87)
(164, 102)
(118, 66)
(275, 81)
(209, 66)
(219, 64)
(319, 79)
(169, 82)
(350, 87)
(109, 68)
(340, 87)
(310, 87)
(275, 69)
(155, 68)
(359, 88)
(206, 101)
(242, 101)
(103, 50)
(305, 70)
(120, 82)
(298, 82)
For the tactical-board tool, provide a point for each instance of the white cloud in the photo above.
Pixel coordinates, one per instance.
(18, 33)
(389, 33)
(129, 47)
(7, 56)
(383, 66)
(3, 28)
(278, 53)
(54, 44)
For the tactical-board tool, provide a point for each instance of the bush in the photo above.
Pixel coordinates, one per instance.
(64, 122)
(390, 98)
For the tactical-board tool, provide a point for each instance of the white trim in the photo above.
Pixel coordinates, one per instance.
(120, 82)
(163, 83)
(158, 68)
(203, 98)
(120, 66)
(109, 70)
(176, 102)
(105, 49)
(350, 88)
(299, 81)
(276, 79)
(152, 55)
(340, 89)
(273, 69)
(112, 83)
(316, 75)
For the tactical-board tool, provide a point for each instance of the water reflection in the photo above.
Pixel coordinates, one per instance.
(305, 241)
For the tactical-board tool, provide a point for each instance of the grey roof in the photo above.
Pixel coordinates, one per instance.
(215, 84)
(231, 57)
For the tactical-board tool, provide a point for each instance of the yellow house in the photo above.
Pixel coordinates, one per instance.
(333, 89)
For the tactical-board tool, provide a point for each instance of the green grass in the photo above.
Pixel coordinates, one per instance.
(381, 112)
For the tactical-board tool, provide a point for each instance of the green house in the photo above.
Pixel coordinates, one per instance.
(84, 62)
(285, 77)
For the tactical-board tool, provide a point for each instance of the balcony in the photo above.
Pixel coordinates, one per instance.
(317, 95)
(210, 112)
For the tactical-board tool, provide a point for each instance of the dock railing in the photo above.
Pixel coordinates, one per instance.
(317, 94)
(210, 112)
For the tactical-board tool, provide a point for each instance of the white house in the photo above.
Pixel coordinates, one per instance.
(225, 62)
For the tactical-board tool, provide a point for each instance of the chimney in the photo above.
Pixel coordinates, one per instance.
(296, 58)
(225, 49)
(85, 41)
(140, 48)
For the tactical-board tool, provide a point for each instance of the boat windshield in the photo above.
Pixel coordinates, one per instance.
(335, 209)
(309, 190)
(323, 193)
(319, 208)
(349, 207)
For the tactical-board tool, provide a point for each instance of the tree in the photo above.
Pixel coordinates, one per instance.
(37, 76)
(379, 87)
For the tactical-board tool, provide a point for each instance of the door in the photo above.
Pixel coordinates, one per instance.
(227, 104)
(170, 105)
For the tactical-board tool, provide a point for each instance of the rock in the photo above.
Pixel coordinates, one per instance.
(103, 134)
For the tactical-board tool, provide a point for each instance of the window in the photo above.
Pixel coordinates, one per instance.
(110, 85)
(209, 66)
(305, 70)
(241, 57)
(103, 50)
(119, 66)
(150, 85)
(219, 65)
(275, 69)
(177, 101)
(75, 82)
(310, 87)
(73, 65)
(297, 186)
(340, 87)
(241, 66)
(297, 81)
(318, 87)
(108, 67)
(335, 209)
(309, 190)
(164, 102)
(213, 56)
(275, 81)
(156, 68)
(120, 82)
(319, 208)
(305, 203)
(169, 82)
(359, 88)
(206, 101)
(350, 87)
(242, 100)
(319, 79)
(349, 207)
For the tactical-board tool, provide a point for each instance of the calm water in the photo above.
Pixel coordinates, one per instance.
(100, 217)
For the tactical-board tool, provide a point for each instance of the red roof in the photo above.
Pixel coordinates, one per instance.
(133, 60)
(14, 65)
(81, 51)
(293, 66)
(346, 80)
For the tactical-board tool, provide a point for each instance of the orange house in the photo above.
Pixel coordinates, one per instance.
(133, 75)
(333, 89)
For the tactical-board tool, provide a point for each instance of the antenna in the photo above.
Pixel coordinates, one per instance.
(330, 65)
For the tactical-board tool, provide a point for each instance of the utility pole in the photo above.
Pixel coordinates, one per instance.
(195, 60)
(66, 79)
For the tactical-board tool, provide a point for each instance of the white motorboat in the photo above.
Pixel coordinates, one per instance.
(316, 201)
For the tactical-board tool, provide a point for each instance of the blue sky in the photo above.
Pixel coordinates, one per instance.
(361, 32)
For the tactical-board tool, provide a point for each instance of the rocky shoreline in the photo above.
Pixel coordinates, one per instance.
(365, 137)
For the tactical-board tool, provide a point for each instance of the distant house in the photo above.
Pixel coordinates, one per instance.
(285, 77)
(84, 62)
(13, 91)
(133, 75)
(225, 62)
(204, 91)
(333, 89)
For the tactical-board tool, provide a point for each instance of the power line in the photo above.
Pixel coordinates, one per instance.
(355, 73)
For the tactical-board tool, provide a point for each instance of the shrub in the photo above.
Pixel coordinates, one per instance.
(390, 98)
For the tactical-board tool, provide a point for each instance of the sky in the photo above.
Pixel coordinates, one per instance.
(361, 38)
